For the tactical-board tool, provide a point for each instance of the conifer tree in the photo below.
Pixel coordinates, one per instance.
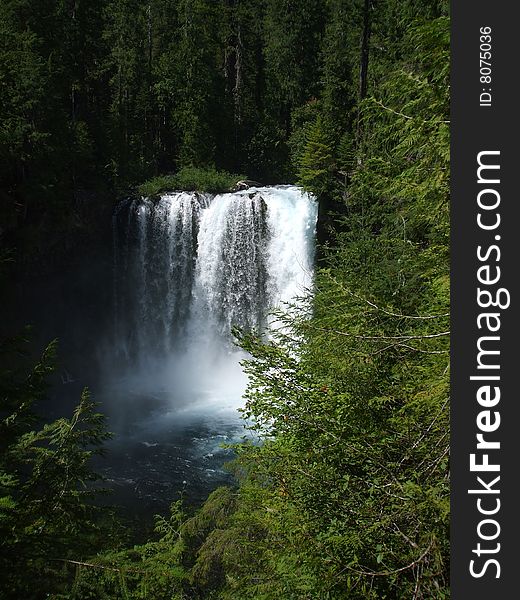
(46, 510)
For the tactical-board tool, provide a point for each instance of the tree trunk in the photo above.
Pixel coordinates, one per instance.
(365, 42)
(363, 68)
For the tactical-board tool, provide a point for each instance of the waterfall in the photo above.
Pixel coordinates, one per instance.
(190, 267)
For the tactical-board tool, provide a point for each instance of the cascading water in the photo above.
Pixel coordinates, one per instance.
(188, 268)
(154, 260)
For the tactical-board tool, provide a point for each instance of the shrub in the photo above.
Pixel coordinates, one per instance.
(191, 179)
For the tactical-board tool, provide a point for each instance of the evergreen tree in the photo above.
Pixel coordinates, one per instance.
(46, 510)
(316, 163)
(196, 77)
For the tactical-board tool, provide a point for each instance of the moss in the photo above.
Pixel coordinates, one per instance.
(191, 179)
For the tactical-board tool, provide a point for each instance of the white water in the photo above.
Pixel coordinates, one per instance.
(191, 267)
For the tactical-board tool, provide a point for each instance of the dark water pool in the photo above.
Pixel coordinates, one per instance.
(161, 451)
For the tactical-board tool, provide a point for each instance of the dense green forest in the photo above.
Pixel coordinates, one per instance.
(347, 497)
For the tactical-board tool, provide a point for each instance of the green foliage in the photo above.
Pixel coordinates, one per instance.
(268, 152)
(45, 481)
(157, 185)
(340, 57)
(292, 40)
(316, 163)
(191, 179)
(152, 570)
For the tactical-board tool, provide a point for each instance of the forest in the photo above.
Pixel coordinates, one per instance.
(347, 495)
